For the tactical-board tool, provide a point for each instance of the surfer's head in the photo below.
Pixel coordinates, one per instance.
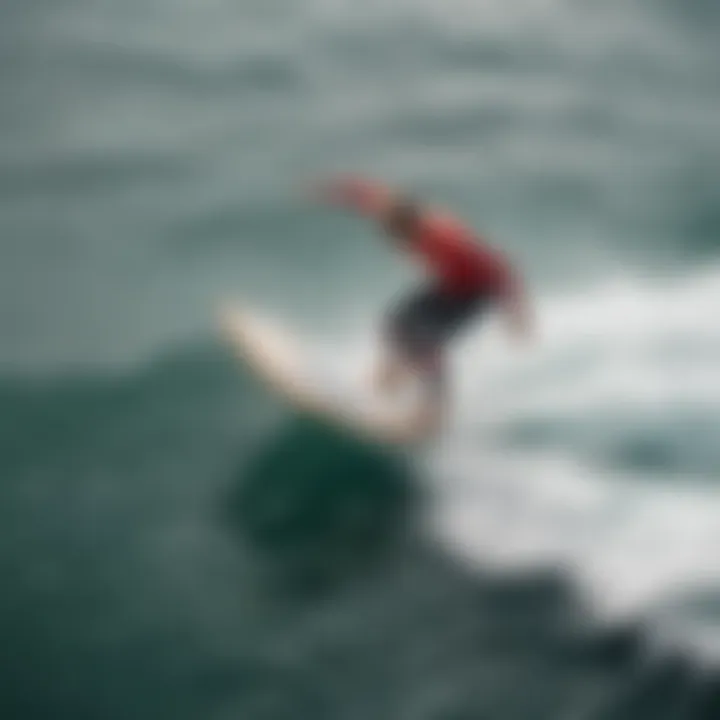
(402, 218)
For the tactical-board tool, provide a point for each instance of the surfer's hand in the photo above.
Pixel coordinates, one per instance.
(520, 328)
(339, 189)
(518, 313)
(356, 193)
(518, 321)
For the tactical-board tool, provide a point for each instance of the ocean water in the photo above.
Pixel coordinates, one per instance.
(175, 544)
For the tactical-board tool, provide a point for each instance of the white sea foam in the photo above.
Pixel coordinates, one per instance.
(623, 358)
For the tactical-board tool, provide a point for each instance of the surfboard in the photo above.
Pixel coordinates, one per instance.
(276, 358)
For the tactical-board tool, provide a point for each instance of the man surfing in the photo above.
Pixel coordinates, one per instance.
(466, 278)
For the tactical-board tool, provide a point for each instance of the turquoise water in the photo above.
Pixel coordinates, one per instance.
(175, 544)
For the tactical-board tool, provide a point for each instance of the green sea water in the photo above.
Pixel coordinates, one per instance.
(176, 544)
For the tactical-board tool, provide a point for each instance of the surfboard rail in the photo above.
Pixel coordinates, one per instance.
(273, 356)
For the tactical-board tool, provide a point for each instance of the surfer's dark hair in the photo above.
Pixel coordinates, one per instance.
(404, 214)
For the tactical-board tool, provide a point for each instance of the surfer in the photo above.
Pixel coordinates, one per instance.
(467, 277)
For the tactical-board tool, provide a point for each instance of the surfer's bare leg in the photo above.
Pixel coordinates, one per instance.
(432, 404)
(390, 373)
(428, 412)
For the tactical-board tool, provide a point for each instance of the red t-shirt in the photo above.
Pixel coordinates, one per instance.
(460, 262)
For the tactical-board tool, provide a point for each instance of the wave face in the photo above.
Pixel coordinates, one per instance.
(174, 543)
(183, 546)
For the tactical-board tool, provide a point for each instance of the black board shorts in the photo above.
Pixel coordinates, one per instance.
(421, 324)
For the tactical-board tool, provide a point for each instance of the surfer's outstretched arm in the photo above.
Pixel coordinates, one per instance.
(518, 314)
(363, 196)
(400, 214)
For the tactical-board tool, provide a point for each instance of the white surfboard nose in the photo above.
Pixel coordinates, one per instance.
(275, 357)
